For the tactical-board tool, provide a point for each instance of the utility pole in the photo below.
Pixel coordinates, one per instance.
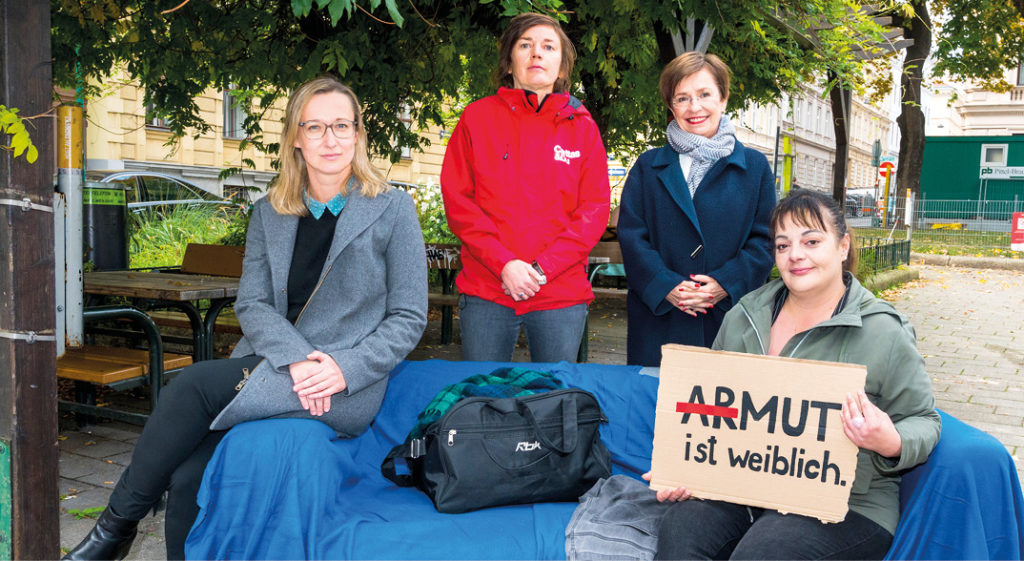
(29, 527)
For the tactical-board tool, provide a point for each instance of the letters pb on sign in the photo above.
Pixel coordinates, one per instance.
(755, 430)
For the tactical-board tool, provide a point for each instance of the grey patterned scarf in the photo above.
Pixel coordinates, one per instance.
(704, 151)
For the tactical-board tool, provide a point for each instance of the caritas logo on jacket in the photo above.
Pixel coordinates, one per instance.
(563, 155)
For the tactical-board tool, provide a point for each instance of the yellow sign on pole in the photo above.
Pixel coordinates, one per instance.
(69, 151)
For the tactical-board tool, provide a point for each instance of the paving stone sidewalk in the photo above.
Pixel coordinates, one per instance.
(970, 327)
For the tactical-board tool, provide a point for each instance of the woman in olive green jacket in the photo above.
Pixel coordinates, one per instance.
(819, 311)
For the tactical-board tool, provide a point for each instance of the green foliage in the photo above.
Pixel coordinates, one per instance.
(158, 238)
(238, 227)
(91, 512)
(430, 208)
(21, 143)
(427, 55)
(977, 40)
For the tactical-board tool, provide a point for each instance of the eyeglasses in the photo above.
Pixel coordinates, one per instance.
(342, 129)
(701, 99)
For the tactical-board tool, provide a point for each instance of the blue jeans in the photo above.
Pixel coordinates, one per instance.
(490, 331)
(696, 529)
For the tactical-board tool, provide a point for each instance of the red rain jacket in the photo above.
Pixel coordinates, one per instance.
(530, 184)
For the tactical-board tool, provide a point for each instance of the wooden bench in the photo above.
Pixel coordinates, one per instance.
(116, 367)
(445, 258)
(227, 261)
(210, 260)
(604, 253)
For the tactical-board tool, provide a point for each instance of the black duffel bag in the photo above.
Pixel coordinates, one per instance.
(486, 452)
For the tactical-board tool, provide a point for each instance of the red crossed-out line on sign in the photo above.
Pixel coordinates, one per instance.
(701, 409)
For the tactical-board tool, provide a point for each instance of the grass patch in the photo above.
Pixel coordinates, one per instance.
(91, 512)
(951, 242)
(158, 239)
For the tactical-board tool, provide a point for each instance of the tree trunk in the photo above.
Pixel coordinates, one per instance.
(29, 527)
(841, 99)
(911, 120)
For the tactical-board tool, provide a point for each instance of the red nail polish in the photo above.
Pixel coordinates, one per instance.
(711, 306)
(691, 276)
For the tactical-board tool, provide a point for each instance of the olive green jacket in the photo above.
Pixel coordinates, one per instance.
(866, 331)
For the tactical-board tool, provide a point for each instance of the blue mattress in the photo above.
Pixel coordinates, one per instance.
(289, 489)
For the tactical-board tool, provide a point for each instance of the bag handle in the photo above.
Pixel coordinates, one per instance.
(570, 426)
(407, 451)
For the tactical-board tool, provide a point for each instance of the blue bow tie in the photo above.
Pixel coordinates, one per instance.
(316, 208)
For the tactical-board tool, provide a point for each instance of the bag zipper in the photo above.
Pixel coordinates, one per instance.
(453, 432)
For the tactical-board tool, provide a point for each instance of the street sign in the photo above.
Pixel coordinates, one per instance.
(1002, 172)
(886, 168)
(1017, 232)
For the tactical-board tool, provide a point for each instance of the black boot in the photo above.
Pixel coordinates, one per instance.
(110, 538)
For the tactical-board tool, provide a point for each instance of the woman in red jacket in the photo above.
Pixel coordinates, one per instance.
(525, 185)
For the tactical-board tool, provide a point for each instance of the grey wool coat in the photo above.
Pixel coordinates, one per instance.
(368, 310)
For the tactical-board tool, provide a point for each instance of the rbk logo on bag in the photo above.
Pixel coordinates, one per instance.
(527, 446)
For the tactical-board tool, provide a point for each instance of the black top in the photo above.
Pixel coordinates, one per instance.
(312, 243)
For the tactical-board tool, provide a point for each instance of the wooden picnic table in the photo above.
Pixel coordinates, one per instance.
(153, 289)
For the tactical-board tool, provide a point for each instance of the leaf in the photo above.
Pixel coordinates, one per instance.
(395, 14)
(338, 9)
(301, 8)
(33, 154)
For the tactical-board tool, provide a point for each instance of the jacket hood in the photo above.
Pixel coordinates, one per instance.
(560, 104)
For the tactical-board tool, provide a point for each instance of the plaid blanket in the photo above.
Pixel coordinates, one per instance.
(503, 382)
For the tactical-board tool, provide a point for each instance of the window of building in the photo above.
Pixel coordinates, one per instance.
(993, 154)
(1020, 73)
(239, 193)
(405, 115)
(154, 121)
(234, 116)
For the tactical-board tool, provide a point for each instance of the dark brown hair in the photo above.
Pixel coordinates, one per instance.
(516, 28)
(688, 64)
(809, 208)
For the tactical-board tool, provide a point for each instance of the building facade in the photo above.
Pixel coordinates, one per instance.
(120, 135)
(806, 121)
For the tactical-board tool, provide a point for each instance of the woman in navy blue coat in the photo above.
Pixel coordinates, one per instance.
(694, 219)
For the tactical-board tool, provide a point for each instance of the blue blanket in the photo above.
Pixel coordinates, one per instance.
(288, 489)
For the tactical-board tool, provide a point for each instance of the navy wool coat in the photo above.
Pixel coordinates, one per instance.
(666, 236)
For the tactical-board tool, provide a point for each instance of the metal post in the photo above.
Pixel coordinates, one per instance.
(69, 187)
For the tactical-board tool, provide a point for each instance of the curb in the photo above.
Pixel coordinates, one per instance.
(885, 279)
(967, 261)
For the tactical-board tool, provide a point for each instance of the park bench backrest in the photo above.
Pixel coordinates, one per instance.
(215, 260)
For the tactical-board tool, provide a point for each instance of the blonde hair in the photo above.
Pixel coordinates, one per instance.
(286, 195)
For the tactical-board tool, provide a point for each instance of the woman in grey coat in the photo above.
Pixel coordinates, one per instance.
(333, 295)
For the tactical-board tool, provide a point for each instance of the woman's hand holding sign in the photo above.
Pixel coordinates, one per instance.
(677, 494)
(869, 427)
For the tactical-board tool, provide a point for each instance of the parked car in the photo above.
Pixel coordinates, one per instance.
(144, 190)
(860, 202)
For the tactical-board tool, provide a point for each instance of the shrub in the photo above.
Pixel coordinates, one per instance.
(430, 208)
(157, 238)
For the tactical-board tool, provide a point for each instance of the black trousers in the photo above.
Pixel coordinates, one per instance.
(696, 529)
(175, 446)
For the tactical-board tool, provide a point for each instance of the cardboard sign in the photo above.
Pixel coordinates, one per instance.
(755, 430)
